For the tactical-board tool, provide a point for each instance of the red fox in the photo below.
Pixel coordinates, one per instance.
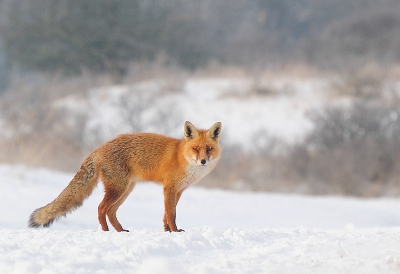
(131, 158)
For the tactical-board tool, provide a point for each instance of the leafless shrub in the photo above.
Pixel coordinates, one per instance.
(135, 105)
(356, 151)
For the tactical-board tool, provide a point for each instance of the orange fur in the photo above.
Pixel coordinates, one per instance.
(130, 158)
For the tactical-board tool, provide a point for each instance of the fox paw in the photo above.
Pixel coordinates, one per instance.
(167, 229)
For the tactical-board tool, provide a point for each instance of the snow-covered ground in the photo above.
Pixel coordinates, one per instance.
(226, 232)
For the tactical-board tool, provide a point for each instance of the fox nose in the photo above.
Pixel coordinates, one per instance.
(203, 161)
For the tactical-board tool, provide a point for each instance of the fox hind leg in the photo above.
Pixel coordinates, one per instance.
(112, 195)
(112, 211)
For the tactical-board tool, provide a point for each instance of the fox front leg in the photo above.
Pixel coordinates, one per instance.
(171, 199)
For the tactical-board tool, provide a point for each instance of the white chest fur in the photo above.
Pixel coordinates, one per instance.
(194, 173)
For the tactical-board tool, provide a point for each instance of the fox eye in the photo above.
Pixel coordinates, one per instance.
(209, 148)
(195, 149)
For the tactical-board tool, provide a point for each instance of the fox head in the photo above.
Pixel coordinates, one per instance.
(202, 146)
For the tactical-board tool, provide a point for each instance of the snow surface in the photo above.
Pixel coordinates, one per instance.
(226, 232)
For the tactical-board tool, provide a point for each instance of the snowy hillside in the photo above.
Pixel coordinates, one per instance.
(155, 106)
(226, 232)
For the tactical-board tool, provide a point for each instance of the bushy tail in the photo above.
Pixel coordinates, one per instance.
(70, 198)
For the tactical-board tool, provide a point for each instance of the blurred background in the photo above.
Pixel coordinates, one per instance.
(307, 90)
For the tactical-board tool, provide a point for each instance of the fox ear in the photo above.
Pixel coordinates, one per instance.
(190, 131)
(215, 131)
